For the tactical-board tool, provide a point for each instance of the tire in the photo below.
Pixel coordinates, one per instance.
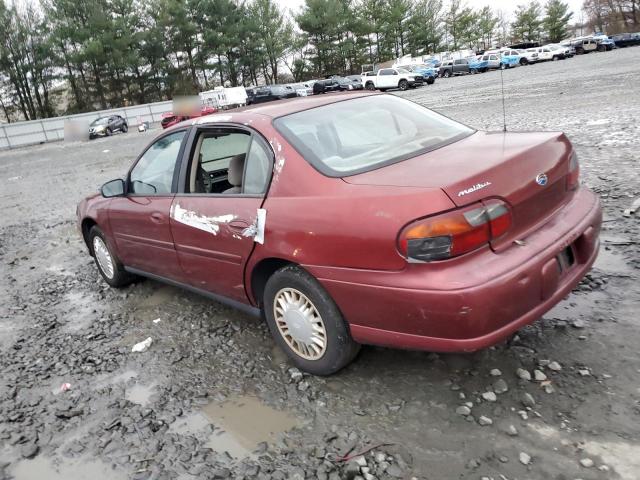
(555, 58)
(446, 74)
(109, 132)
(431, 81)
(524, 61)
(370, 86)
(124, 128)
(289, 287)
(403, 85)
(503, 66)
(115, 276)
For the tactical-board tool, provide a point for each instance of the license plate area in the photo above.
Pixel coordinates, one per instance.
(566, 259)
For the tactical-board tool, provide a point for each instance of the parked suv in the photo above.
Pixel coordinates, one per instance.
(450, 68)
(269, 93)
(105, 126)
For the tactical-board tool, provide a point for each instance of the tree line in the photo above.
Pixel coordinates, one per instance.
(66, 56)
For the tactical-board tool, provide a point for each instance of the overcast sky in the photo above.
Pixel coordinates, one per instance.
(507, 5)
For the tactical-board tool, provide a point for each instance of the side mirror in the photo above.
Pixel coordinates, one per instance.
(114, 188)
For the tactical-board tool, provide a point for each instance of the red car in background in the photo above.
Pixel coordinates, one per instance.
(365, 219)
(170, 119)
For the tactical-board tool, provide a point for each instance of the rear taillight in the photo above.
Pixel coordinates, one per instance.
(454, 233)
(573, 178)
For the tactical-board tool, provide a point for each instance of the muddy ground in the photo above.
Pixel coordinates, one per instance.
(213, 397)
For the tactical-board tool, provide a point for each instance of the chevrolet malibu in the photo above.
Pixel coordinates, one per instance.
(343, 221)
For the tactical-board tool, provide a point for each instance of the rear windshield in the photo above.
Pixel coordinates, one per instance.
(362, 134)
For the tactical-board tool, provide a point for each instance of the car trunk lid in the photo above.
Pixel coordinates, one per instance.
(526, 170)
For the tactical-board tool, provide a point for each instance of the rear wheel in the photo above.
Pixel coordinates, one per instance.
(555, 58)
(524, 61)
(306, 323)
(446, 74)
(107, 261)
(124, 128)
(370, 86)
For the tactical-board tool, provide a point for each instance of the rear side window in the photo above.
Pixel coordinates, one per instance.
(362, 134)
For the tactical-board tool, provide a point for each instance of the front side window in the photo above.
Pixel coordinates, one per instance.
(153, 174)
(362, 134)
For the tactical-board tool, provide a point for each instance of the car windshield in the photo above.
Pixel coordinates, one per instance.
(100, 121)
(403, 70)
(366, 133)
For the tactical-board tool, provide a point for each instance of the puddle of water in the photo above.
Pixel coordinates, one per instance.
(41, 468)
(139, 394)
(81, 315)
(162, 295)
(240, 425)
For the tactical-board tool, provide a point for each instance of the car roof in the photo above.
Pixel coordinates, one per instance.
(277, 108)
(293, 105)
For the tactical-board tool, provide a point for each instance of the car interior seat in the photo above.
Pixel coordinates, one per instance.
(235, 172)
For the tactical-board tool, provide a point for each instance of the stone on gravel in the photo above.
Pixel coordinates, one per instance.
(539, 376)
(523, 374)
(524, 458)
(527, 400)
(29, 450)
(500, 386)
(143, 346)
(489, 396)
(463, 410)
(495, 372)
(394, 471)
(586, 462)
(484, 421)
(555, 366)
(512, 431)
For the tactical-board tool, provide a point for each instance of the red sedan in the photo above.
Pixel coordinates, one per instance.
(353, 220)
(169, 119)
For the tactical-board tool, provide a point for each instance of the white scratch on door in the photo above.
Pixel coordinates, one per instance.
(196, 220)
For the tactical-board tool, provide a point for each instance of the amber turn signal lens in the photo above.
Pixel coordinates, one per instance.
(455, 233)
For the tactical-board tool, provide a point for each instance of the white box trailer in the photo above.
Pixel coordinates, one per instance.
(224, 97)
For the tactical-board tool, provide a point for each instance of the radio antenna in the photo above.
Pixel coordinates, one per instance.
(504, 111)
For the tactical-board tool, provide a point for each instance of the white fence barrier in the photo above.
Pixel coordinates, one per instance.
(21, 134)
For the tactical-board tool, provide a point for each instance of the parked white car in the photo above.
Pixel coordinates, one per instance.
(387, 78)
(530, 55)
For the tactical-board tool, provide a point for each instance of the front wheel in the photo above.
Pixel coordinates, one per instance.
(124, 128)
(430, 81)
(109, 132)
(107, 261)
(503, 66)
(403, 84)
(306, 323)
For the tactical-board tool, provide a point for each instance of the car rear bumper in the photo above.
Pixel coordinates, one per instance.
(476, 300)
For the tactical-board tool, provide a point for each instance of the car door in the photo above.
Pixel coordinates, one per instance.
(213, 222)
(140, 219)
(386, 78)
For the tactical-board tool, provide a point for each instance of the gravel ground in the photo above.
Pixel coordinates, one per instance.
(213, 398)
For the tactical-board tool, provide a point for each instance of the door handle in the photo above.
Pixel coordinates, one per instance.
(157, 217)
(238, 224)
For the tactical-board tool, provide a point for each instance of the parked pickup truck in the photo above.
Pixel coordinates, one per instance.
(388, 78)
(449, 68)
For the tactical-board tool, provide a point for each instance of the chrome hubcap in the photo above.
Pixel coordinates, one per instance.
(300, 324)
(103, 257)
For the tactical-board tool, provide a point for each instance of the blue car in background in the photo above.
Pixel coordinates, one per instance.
(477, 65)
(428, 73)
(432, 62)
(510, 58)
